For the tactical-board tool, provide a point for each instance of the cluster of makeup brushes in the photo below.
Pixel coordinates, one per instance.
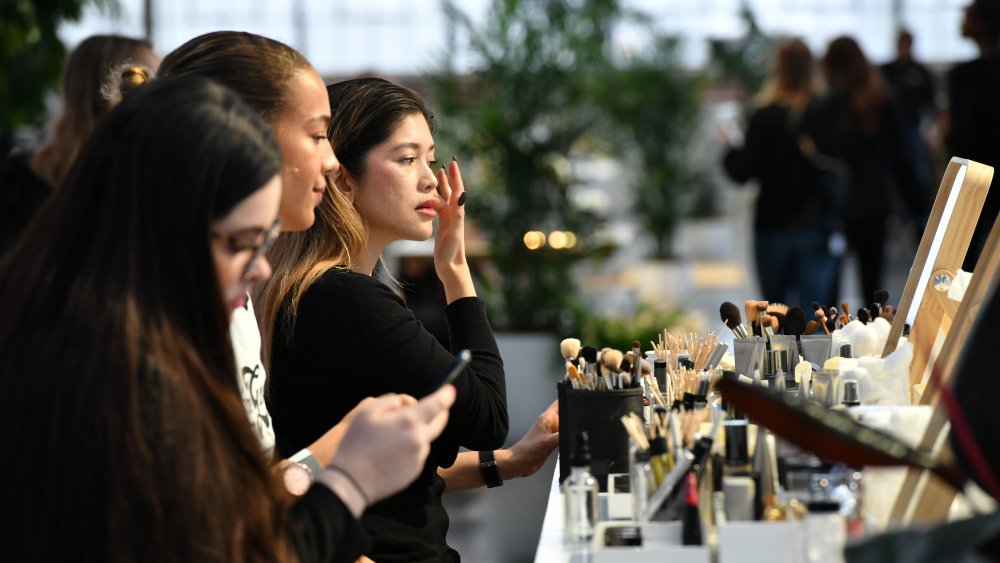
(590, 368)
(766, 318)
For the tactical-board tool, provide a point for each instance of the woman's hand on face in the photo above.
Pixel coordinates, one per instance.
(449, 241)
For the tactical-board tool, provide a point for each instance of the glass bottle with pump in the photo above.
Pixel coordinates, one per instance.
(580, 494)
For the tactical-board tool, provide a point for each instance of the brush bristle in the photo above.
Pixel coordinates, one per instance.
(570, 347)
(816, 306)
(589, 353)
(881, 297)
(862, 315)
(795, 321)
(811, 327)
(730, 314)
(777, 308)
(611, 359)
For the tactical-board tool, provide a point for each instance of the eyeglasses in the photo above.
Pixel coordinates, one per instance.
(238, 242)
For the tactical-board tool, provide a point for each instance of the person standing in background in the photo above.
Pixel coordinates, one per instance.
(974, 112)
(914, 90)
(28, 178)
(792, 217)
(859, 124)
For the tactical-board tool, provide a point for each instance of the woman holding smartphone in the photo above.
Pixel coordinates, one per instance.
(116, 366)
(336, 334)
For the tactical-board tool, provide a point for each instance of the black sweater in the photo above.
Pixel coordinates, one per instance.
(22, 193)
(324, 530)
(354, 338)
(791, 194)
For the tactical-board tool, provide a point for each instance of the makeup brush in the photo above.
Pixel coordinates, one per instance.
(612, 359)
(626, 363)
(730, 314)
(874, 311)
(832, 435)
(569, 348)
(778, 311)
(831, 325)
(863, 315)
(795, 321)
(821, 319)
(844, 319)
(846, 309)
(755, 311)
(881, 297)
(816, 306)
(811, 327)
(766, 322)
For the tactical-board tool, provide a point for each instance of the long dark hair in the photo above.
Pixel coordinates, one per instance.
(126, 436)
(847, 71)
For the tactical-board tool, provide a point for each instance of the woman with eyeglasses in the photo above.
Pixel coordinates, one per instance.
(116, 366)
(289, 94)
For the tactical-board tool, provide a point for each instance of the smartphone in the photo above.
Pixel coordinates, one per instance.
(462, 359)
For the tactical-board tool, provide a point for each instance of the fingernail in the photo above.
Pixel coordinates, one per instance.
(461, 199)
(454, 158)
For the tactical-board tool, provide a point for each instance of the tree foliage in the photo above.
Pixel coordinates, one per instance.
(551, 85)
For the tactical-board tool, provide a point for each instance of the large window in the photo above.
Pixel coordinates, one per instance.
(343, 37)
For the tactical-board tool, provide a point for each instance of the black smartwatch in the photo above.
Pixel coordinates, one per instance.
(488, 466)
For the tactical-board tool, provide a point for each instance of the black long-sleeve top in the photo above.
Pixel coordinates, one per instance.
(791, 194)
(878, 161)
(354, 338)
(973, 91)
(22, 193)
(324, 530)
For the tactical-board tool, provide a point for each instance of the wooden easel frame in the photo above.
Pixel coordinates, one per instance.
(942, 249)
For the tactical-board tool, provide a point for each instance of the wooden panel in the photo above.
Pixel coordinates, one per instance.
(944, 244)
(932, 502)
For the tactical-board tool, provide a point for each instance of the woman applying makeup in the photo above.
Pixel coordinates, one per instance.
(116, 367)
(288, 92)
(336, 334)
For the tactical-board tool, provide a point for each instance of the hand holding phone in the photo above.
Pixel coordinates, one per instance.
(462, 359)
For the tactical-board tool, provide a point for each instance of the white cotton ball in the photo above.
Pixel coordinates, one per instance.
(881, 327)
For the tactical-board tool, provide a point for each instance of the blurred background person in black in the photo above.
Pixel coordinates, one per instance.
(974, 109)
(859, 124)
(793, 210)
(914, 90)
(28, 178)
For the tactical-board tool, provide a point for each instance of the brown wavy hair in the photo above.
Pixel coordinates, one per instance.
(365, 112)
(115, 359)
(847, 71)
(791, 81)
(83, 104)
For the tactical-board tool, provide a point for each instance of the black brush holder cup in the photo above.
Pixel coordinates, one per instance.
(598, 413)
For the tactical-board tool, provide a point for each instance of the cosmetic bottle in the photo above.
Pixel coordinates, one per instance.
(647, 402)
(660, 459)
(691, 522)
(737, 482)
(640, 482)
(580, 494)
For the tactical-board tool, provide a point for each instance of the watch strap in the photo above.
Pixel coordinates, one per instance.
(488, 467)
(306, 458)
